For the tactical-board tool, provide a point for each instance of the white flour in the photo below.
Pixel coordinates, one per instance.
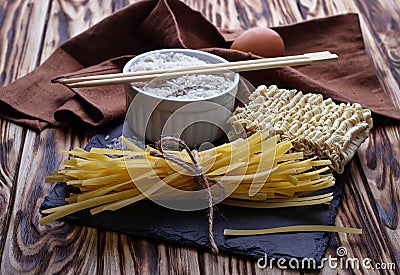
(184, 87)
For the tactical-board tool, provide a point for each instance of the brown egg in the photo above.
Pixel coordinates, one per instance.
(260, 41)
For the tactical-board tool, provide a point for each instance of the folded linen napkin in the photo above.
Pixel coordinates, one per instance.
(149, 25)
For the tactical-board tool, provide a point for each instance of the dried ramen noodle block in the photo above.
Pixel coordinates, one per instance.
(326, 129)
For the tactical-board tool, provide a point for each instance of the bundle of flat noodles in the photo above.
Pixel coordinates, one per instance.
(258, 171)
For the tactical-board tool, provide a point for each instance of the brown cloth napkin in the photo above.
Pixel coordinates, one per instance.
(37, 102)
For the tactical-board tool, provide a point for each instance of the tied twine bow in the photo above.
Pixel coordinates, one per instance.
(196, 170)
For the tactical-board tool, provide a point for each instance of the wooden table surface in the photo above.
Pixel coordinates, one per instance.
(31, 30)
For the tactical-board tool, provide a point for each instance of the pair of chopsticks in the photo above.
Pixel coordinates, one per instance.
(238, 66)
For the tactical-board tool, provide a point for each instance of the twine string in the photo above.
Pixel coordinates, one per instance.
(196, 170)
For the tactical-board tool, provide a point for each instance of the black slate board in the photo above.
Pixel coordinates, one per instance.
(149, 220)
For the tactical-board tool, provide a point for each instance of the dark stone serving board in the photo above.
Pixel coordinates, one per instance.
(149, 220)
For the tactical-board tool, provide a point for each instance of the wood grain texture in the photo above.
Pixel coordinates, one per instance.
(11, 141)
(22, 25)
(364, 205)
(29, 247)
(382, 20)
(69, 18)
(31, 30)
(19, 40)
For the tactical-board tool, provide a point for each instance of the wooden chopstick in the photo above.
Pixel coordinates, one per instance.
(238, 66)
(205, 66)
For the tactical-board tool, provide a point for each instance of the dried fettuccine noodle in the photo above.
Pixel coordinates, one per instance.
(321, 127)
(256, 172)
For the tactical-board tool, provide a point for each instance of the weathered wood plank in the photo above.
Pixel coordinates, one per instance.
(361, 194)
(69, 18)
(21, 27)
(114, 254)
(11, 141)
(57, 247)
(383, 42)
(359, 209)
(248, 13)
(30, 247)
(177, 260)
(22, 24)
(380, 162)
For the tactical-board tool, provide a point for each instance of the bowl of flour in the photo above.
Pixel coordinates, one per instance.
(193, 107)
